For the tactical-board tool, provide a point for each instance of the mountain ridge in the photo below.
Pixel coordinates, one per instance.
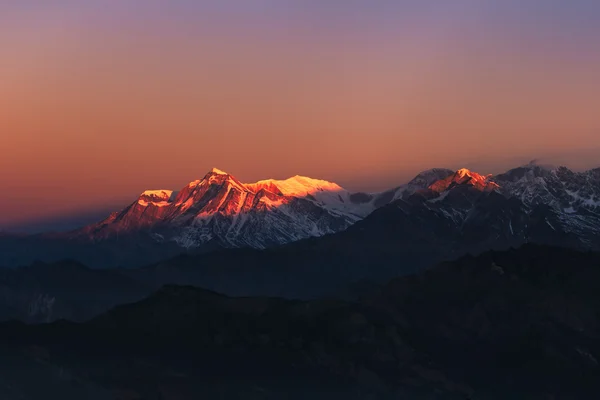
(221, 209)
(220, 212)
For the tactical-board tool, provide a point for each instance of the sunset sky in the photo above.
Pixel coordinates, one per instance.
(102, 99)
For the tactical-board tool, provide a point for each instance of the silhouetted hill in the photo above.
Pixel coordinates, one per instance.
(47, 292)
(514, 324)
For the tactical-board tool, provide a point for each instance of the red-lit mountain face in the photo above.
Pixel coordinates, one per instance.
(221, 208)
(465, 177)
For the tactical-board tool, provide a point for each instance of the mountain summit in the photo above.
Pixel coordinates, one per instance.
(465, 177)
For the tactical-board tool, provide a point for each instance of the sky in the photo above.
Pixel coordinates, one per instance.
(102, 99)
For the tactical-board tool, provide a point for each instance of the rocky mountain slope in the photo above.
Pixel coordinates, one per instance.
(567, 201)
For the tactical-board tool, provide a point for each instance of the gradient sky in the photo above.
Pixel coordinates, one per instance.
(101, 99)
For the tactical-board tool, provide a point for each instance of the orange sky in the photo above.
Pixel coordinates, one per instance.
(95, 108)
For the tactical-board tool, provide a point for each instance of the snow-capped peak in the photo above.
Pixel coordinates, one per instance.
(465, 176)
(209, 177)
(162, 194)
(465, 172)
(218, 172)
(425, 178)
(156, 197)
(298, 186)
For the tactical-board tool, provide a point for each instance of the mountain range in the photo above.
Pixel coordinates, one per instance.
(440, 215)
(526, 204)
(298, 288)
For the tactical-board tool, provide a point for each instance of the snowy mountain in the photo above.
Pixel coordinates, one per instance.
(220, 211)
(559, 187)
(440, 211)
(219, 208)
(526, 204)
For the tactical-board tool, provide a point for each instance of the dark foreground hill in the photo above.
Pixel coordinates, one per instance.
(517, 324)
(64, 290)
